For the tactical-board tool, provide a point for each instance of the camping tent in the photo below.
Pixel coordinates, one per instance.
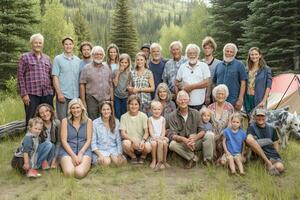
(285, 91)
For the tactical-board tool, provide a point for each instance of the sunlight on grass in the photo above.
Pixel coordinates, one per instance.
(11, 109)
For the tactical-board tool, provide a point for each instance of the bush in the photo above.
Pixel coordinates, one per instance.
(11, 87)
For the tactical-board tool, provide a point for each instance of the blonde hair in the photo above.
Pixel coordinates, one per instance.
(235, 115)
(125, 56)
(204, 110)
(34, 121)
(210, 42)
(84, 115)
(155, 104)
(142, 54)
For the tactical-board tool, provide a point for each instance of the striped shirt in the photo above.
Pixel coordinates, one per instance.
(34, 75)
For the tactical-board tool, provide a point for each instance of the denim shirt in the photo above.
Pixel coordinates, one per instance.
(263, 80)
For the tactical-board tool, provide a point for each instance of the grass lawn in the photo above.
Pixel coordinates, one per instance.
(140, 182)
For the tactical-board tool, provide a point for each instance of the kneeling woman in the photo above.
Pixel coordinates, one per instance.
(106, 143)
(76, 137)
(134, 131)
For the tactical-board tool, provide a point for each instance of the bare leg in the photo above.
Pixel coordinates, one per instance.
(106, 161)
(118, 160)
(146, 150)
(128, 148)
(153, 153)
(160, 152)
(279, 166)
(231, 165)
(84, 167)
(165, 154)
(67, 166)
(238, 162)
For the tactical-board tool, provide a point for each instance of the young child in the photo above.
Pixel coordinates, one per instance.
(205, 115)
(233, 140)
(157, 131)
(26, 156)
(120, 81)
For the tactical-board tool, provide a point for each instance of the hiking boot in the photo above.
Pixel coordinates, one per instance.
(45, 165)
(33, 173)
(190, 164)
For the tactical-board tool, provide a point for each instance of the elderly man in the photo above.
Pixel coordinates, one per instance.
(209, 47)
(34, 77)
(172, 66)
(65, 72)
(186, 134)
(193, 77)
(232, 73)
(156, 64)
(85, 50)
(96, 83)
(266, 136)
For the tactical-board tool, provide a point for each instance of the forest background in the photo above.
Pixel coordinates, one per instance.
(273, 26)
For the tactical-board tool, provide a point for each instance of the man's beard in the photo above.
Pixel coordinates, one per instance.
(228, 59)
(98, 61)
(193, 61)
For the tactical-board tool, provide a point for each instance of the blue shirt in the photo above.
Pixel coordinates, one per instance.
(67, 70)
(234, 141)
(231, 74)
(84, 63)
(157, 70)
(263, 80)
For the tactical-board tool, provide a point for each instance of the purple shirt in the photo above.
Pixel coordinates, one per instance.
(34, 75)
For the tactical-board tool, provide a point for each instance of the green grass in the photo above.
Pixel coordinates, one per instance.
(11, 109)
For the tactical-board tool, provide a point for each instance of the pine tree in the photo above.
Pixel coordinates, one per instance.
(81, 27)
(226, 22)
(123, 31)
(274, 27)
(16, 20)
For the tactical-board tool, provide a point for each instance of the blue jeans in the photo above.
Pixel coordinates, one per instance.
(120, 107)
(45, 151)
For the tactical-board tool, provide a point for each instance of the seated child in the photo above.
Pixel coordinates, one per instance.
(233, 140)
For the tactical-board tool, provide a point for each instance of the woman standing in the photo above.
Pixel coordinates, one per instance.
(164, 96)
(113, 56)
(106, 144)
(76, 137)
(259, 80)
(141, 82)
(51, 130)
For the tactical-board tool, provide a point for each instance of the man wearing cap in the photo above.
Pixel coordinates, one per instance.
(34, 77)
(85, 50)
(266, 136)
(146, 50)
(65, 72)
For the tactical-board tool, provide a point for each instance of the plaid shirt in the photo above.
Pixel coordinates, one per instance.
(34, 75)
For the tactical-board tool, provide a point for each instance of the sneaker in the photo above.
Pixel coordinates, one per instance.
(33, 173)
(45, 165)
(190, 164)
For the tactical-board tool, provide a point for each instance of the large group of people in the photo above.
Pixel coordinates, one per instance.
(115, 110)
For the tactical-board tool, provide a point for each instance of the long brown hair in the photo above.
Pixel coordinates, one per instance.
(49, 107)
(111, 121)
(261, 63)
(112, 46)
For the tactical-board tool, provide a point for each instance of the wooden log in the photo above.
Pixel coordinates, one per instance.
(12, 128)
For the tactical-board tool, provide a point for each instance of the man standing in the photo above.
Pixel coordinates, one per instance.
(85, 49)
(146, 50)
(193, 77)
(96, 83)
(172, 66)
(266, 136)
(65, 74)
(232, 73)
(209, 47)
(156, 64)
(186, 134)
(34, 77)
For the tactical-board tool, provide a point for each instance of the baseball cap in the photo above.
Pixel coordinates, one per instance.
(260, 111)
(146, 45)
(67, 38)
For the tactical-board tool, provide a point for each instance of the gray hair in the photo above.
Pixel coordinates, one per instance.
(175, 43)
(192, 46)
(232, 45)
(182, 93)
(155, 45)
(165, 87)
(220, 87)
(96, 49)
(35, 36)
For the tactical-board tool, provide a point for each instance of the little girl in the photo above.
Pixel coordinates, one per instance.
(159, 143)
(205, 115)
(233, 140)
(120, 80)
(27, 155)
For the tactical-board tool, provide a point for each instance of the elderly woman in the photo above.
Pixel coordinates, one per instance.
(76, 136)
(164, 96)
(50, 132)
(221, 111)
(259, 80)
(106, 143)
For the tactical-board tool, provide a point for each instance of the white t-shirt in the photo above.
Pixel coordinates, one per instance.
(188, 75)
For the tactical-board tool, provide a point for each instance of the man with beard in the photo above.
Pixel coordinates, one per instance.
(34, 77)
(65, 74)
(232, 73)
(85, 49)
(172, 66)
(209, 47)
(96, 83)
(156, 64)
(193, 77)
